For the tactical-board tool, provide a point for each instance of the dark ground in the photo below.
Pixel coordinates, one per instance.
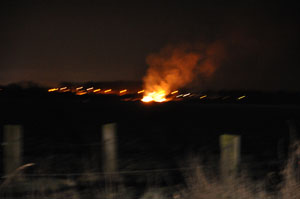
(62, 132)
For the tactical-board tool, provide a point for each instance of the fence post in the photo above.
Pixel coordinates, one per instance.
(230, 155)
(12, 148)
(109, 147)
(110, 159)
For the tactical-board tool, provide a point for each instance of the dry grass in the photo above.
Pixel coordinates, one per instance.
(199, 185)
(290, 187)
(202, 186)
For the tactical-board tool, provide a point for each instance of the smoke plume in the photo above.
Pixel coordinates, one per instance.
(177, 65)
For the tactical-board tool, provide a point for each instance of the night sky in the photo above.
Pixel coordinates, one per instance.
(53, 41)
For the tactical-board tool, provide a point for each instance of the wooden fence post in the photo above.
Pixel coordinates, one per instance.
(109, 147)
(110, 159)
(230, 155)
(12, 148)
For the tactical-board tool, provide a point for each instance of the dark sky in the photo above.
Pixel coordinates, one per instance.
(53, 41)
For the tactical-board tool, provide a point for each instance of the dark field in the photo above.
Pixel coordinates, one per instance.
(56, 124)
(62, 135)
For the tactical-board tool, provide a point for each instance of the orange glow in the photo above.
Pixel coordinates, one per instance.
(81, 93)
(159, 96)
(107, 91)
(176, 66)
(170, 69)
(51, 89)
(79, 88)
(141, 91)
(97, 90)
(123, 91)
(204, 96)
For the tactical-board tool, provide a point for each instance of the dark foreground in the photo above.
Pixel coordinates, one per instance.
(62, 137)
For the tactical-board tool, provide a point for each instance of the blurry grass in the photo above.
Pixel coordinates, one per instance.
(200, 184)
(290, 187)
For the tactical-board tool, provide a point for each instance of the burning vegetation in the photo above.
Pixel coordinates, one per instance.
(177, 65)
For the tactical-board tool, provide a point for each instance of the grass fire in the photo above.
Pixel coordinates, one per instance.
(176, 66)
(159, 96)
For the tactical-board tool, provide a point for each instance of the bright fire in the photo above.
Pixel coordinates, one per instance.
(175, 66)
(159, 96)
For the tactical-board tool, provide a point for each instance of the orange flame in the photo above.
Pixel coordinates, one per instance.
(159, 96)
(176, 66)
